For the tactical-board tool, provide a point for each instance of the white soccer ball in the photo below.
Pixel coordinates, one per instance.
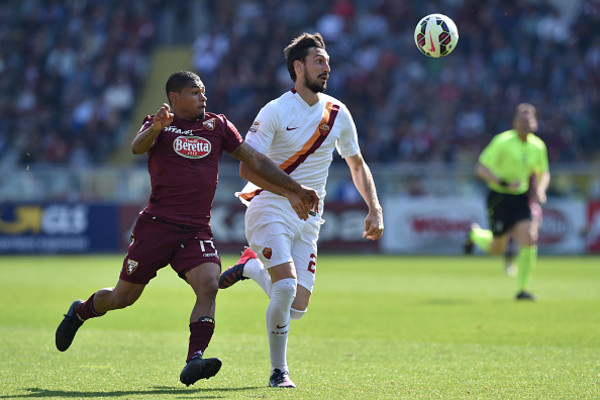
(436, 35)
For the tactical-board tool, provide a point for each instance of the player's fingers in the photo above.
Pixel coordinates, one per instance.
(374, 235)
(315, 204)
(372, 232)
(301, 212)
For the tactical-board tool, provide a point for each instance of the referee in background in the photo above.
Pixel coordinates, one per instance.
(506, 165)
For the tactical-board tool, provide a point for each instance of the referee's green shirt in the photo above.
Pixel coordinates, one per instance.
(511, 159)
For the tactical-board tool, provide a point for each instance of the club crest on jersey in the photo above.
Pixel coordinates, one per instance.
(267, 253)
(209, 124)
(191, 146)
(254, 126)
(323, 128)
(131, 266)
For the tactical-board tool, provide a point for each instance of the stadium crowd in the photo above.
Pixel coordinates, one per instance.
(69, 75)
(70, 72)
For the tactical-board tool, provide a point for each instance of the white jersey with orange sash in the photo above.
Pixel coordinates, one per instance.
(300, 139)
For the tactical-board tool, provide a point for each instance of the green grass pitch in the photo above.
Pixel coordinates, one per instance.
(378, 327)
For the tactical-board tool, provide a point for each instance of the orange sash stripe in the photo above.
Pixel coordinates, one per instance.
(317, 138)
(250, 195)
(313, 139)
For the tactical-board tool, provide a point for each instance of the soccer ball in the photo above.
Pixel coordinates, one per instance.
(436, 35)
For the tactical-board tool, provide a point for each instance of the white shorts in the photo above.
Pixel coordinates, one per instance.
(278, 237)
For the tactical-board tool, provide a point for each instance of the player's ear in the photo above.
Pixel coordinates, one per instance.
(298, 65)
(173, 96)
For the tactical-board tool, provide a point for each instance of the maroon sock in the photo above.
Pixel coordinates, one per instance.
(200, 334)
(86, 309)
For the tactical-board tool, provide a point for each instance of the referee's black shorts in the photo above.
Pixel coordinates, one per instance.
(505, 210)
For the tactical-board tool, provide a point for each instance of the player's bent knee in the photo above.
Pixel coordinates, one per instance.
(296, 314)
(210, 288)
(285, 288)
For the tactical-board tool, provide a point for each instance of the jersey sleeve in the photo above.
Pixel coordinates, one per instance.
(233, 139)
(148, 120)
(347, 144)
(263, 130)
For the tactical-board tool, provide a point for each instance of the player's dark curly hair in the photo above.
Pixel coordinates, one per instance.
(179, 80)
(298, 49)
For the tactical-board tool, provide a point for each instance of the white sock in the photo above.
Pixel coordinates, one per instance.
(278, 321)
(254, 270)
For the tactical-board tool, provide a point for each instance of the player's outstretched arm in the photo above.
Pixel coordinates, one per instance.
(363, 180)
(145, 139)
(263, 172)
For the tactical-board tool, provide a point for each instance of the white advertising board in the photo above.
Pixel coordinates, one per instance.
(415, 225)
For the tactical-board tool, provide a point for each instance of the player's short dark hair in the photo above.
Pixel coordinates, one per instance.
(179, 80)
(298, 49)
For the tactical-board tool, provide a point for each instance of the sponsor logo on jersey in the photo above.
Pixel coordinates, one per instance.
(131, 266)
(175, 129)
(191, 146)
(254, 126)
(323, 128)
(267, 253)
(210, 124)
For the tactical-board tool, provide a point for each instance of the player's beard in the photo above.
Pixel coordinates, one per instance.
(316, 85)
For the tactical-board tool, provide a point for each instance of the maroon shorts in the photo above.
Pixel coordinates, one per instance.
(156, 243)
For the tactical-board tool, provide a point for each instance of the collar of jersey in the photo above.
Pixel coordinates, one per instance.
(187, 124)
(301, 100)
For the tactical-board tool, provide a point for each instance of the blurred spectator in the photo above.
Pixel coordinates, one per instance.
(77, 66)
(409, 108)
(62, 64)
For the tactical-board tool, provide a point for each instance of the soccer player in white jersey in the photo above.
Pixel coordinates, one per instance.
(299, 132)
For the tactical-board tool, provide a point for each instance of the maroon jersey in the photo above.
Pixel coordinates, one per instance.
(184, 166)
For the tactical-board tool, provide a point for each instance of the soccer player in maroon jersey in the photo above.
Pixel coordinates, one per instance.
(184, 147)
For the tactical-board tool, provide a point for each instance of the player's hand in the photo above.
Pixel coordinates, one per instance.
(163, 117)
(304, 203)
(514, 185)
(373, 225)
(312, 199)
